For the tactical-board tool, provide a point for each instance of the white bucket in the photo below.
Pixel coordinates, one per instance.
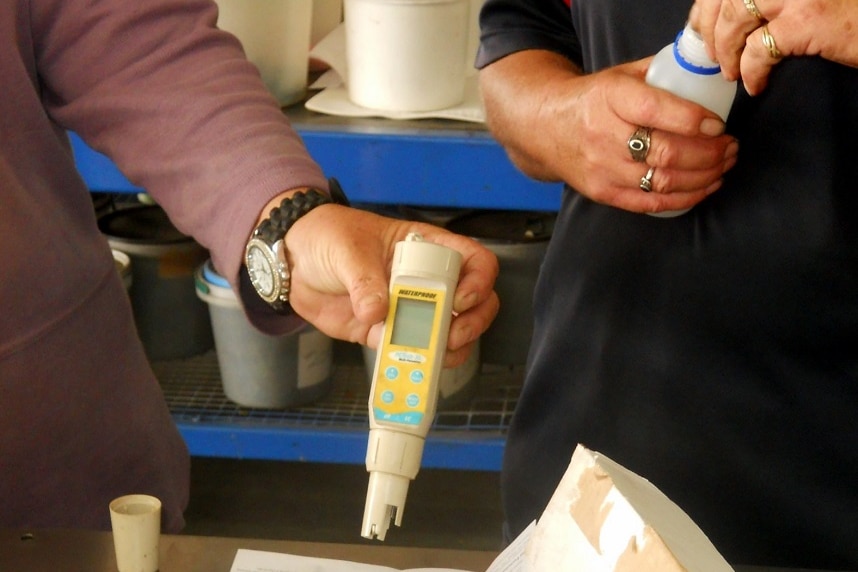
(473, 37)
(258, 370)
(406, 55)
(275, 35)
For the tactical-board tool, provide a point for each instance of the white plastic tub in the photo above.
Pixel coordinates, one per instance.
(275, 35)
(406, 55)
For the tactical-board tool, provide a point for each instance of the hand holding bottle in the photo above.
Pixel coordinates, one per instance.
(750, 37)
(684, 68)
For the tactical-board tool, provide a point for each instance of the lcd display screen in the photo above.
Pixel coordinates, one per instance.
(412, 323)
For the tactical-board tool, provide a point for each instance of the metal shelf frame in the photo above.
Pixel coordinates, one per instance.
(422, 163)
(429, 163)
(333, 429)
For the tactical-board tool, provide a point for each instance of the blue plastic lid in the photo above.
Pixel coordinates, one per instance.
(695, 69)
(211, 275)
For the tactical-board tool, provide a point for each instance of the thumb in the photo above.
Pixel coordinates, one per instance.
(366, 280)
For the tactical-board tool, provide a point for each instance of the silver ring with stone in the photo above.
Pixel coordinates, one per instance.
(646, 180)
(639, 143)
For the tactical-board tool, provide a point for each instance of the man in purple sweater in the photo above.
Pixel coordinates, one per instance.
(175, 104)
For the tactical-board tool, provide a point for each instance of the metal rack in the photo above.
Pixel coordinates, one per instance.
(434, 163)
(334, 428)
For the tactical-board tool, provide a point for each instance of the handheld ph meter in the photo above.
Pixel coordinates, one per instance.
(405, 379)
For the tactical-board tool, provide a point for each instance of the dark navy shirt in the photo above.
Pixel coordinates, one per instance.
(712, 353)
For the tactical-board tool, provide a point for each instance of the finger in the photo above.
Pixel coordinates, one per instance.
(479, 268)
(669, 150)
(636, 200)
(641, 104)
(666, 181)
(368, 293)
(373, 336)
(736, 21)
(455, 358)
(703, 16)
(762, 52)
(468, 326)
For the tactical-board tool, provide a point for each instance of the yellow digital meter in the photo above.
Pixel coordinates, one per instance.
(408, 365)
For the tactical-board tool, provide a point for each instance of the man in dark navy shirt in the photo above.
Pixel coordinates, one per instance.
(711, 352)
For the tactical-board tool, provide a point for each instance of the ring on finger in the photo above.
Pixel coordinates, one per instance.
(639, 143)
(770, 44)
(751, 6)
(646, 180)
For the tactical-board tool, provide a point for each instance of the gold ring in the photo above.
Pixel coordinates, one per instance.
(751, 6)
(769, 43)
(646, 180)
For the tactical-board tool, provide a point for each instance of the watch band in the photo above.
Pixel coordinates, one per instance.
(271, 232)
(281, 218)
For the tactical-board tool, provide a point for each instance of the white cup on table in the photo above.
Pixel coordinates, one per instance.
(136, 523)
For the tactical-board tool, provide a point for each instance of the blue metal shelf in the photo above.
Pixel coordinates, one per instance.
(333, 429)
(428, 163)
(420, 163)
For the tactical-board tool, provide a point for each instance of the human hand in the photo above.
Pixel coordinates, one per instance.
(750, 45)
(584, 123)
(340, 260)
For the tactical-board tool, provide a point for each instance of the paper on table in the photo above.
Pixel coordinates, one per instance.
(260, 561)
(334, 97)
(510, 560)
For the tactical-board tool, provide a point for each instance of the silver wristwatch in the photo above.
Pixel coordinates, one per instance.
(265, 254)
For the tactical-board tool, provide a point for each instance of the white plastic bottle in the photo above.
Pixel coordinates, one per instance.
(684, 68)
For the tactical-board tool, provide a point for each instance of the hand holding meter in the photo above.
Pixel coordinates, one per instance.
(405, 380)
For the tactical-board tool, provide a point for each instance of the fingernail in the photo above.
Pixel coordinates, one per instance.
(462, 303)
(712, 126)
(714, 187)
(730, 163)
(370, 301)
(732, 149)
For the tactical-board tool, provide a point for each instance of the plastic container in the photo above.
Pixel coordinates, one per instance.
(258, 370)
(684, 68)
(473, 44)
(456, 386)
(275, 35)
(406, 55)
(520, 240)
(171, 321)
(123, 267)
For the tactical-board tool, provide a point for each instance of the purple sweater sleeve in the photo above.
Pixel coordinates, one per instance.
(172, 100)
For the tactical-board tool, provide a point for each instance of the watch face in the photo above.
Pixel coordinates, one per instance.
(261, 272)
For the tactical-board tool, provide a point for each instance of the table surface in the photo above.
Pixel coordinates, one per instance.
(92, 551)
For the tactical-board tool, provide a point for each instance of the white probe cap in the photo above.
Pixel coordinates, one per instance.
(385, 501)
